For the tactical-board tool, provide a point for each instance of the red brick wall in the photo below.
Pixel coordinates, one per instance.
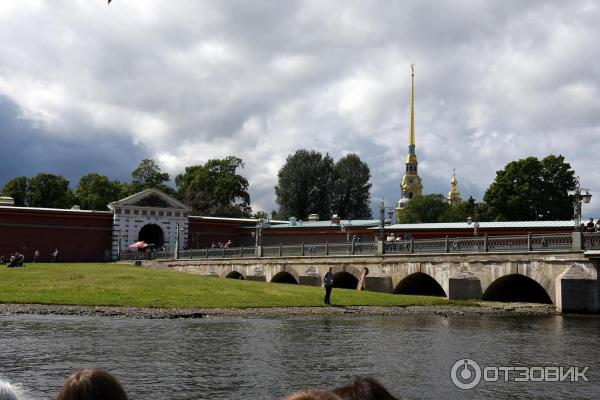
(201, 233)
(79, 236)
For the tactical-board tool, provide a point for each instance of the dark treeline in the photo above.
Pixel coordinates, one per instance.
(310, 182)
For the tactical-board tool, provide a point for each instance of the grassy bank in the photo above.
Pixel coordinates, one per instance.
(126, 285)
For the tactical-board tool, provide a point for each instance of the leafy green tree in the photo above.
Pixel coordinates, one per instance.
(351, 188)
(530, 189)
(304, 185)
(215, 188)
(428, 208)
(466, 209)
(95, 191)
(148, 175)
(51, 191)
(17, 189)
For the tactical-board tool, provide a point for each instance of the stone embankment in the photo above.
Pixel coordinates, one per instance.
(277, 312)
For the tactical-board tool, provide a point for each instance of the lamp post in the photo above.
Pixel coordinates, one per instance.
(177, 230)
(474, 220)
(260, 225)
(382, 209)
(579, 198)
(118, 245)
(347, 227)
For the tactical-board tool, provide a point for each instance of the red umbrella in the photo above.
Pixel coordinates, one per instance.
(139, 245)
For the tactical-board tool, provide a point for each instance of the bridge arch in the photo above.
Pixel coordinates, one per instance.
(419, 283)
(345, 280)
(284, 277)
(517, 288)
(234, 275)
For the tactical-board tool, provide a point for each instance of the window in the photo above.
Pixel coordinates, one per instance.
(127, 212)
(136, 212)
(177, 214)
(152, 212)
(144, 212)
(117, 211)
(161, 213)
(168, 213)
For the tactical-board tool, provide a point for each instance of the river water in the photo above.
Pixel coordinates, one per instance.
(244, 358)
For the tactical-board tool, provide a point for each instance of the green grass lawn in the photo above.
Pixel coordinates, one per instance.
(97, 284)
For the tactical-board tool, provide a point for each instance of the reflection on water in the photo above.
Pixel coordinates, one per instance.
(226, 358)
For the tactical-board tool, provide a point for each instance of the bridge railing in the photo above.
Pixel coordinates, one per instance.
(592, 240)
(479, 244)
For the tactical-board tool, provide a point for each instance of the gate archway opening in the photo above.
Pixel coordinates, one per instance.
(234, 275)
(284, 277)
(345, 280)
(516, 288)
(419, 284)
(152, 234)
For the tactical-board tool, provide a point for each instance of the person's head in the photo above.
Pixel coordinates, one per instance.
(312, 394)
(7, 391)
(364, 389)
(330, 269)
(92, 384)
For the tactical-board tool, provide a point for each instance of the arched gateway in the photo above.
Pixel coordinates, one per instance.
(150, 216)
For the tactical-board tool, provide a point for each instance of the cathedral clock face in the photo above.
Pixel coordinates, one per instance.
(410, 181)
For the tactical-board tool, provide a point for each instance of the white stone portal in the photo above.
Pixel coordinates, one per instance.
(151, 216)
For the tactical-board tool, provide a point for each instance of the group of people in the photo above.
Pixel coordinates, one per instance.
(97, 384)
(590, 226)
(221, 245)
(17, 259)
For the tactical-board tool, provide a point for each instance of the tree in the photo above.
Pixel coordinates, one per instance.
(466, 209)
(51, 191)
(428, 208)
(17, 189)
(94, 191)
(351, 189)
(530, 189)
(148, 175)
(215, 188)
(304, 185)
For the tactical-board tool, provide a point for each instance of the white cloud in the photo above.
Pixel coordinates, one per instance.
(191, 81)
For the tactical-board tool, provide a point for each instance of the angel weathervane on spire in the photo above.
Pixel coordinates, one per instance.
(412, 68)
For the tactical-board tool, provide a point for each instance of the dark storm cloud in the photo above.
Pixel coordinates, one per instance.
(26, 152)
(186, 81)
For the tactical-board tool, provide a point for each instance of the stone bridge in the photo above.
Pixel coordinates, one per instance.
(565, 278)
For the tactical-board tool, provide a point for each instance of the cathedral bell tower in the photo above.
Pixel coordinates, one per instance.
(411, 182)
(454, 195)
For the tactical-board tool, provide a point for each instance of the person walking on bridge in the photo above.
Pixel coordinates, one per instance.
(328, 283)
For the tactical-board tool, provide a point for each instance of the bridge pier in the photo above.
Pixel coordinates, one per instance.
(467, 288)
(577, 290)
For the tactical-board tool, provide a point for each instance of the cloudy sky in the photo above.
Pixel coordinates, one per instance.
(87, 87)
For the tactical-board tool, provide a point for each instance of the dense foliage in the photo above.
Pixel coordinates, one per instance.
(310, 183)
(533, 189)
(95, 191)
(215, 188)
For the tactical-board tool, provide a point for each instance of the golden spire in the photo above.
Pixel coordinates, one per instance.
(412, 107)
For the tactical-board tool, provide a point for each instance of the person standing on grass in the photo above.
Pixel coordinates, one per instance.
(55, 255)
(36, 254)
(328, 283)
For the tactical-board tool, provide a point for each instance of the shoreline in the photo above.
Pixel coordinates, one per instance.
(525, 309)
